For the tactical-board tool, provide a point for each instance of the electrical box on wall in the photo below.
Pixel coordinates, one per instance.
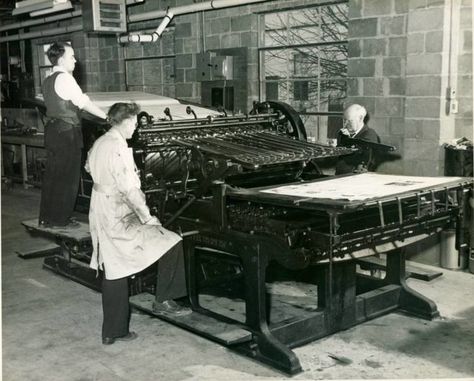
(106, 16)
(211, 67)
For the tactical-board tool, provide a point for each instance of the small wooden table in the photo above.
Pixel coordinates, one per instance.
(24, 141)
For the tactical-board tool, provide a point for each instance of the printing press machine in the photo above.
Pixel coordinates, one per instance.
(247, 195)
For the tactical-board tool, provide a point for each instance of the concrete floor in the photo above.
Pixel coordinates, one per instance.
(51, 331)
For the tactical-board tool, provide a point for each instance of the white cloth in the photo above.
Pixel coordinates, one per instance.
(125, 237)
(67, 88)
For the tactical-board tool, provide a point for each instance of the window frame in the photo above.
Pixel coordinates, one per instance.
(320, 134)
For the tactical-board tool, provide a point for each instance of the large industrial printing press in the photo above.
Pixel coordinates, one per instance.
(254, 209)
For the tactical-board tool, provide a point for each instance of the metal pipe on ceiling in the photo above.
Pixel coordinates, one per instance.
(42, 33)
(192, 8)
(168, 15)
(46, 20)
(41, 20)
(185, 9)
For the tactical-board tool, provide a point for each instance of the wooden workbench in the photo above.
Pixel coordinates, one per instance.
(24, 141)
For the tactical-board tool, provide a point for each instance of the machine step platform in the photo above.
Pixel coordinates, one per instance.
(374, 263)
(216, 330)
(45, 251)
(78, 233)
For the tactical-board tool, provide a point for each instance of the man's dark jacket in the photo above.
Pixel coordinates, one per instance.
(348, 164)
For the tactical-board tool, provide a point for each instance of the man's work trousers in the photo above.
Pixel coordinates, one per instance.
(171, 284)
(63, 143)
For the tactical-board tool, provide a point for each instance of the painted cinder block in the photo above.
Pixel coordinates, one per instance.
(397, 46)
(393, 25)
(230, 40)
(353, 88)
(467, 41)
(183, 30)
(397, 86)
(424, 64)
(366, 27)
(220, 25)
(354, 48)
(363, 67)
(434, 42)
(373, 86)
(392, 66)
(184, 61)
(401, 6)
(424, 85)
(389, 106)
(416, 43)
(355, 9)
(426, 20)
(426, 107)
(241, 23)
(374, 47)
(184, 90)
(213, 42)
(377, 7)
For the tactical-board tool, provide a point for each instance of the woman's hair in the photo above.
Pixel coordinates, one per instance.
(56, 51)
(120, 111)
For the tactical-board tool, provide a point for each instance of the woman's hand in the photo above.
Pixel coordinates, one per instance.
(153, 221)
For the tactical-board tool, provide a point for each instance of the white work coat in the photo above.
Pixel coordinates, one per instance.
(125, 237)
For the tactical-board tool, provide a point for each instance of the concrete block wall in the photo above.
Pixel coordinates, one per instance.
(215, 30)
(377, 65)
(464, 121)
(399, 69)
(99, 65)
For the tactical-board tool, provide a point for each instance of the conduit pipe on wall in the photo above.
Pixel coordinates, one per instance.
(41, 20)
(168, 15)
(149, 37)
(192, 8)
(42, 33)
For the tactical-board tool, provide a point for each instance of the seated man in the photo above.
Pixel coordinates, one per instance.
(354, 127)
(126, 238)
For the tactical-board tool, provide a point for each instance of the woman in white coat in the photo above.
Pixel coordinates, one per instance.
(126, 238)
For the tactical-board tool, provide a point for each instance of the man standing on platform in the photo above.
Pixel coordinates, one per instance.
(63, 137)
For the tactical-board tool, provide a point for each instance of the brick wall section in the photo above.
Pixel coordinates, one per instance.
(425, 92)
(464, 120)
(398, 54)
(377, 65)
(216, 30)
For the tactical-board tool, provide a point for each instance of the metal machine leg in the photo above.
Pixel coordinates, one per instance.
(410, 301)
(267, 349)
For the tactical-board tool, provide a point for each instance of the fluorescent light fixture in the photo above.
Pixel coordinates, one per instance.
(32, 6)
(56, 8)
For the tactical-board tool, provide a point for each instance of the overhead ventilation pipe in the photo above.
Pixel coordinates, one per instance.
(152, 37)
(39, 21)
(171, 12)
(192, 8)
(42, 33)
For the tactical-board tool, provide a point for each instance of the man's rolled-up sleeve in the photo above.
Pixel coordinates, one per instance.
(68, 89)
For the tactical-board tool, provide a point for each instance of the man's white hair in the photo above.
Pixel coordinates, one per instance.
(361, 110)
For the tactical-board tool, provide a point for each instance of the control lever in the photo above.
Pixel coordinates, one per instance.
(168, 113)
(190, 111)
